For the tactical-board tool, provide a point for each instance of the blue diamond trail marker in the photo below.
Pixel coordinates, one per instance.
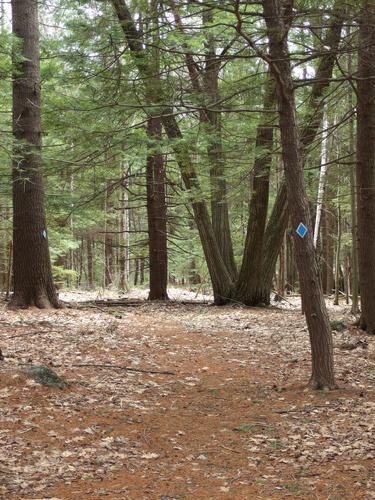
(301, 230)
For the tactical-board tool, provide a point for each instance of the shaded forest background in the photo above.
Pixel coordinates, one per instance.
(95, 115)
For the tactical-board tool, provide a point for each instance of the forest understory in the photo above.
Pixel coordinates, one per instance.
(228, 416)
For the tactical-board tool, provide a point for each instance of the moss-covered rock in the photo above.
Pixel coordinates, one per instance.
(45, 376)
(338, 326)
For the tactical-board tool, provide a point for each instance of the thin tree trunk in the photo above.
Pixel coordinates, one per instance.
(136, 271)
(108, 237)
(322, 180)
(337, 257)
(281, 274)
(347, 273)
(142, 271)
(8, 282)
(80, 263)
(124, 226)
(90, 267)
(125, 233)
(71, 223)
(311, 292)
(33, 282)
(290, 263)
(327, 248)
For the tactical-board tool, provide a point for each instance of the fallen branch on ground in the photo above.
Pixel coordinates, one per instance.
(117, 367)
(31, 333)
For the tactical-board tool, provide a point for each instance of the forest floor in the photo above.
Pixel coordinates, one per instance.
(234, 420)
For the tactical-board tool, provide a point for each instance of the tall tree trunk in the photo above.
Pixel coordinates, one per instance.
(273, 238)
(353, 210)
(33, 282)
(250, 282)
(208, 89)
(157, 213)
(366, 164)
(222, 282)
(354, 278)
(156, 182)
(219, 201)
(278, 221)
(311, 292)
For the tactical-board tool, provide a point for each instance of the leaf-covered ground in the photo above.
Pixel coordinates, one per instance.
(234, 421)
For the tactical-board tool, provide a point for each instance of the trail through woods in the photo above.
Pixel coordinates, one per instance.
(235, 420)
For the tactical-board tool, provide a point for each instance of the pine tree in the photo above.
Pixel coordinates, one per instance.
(33, 283)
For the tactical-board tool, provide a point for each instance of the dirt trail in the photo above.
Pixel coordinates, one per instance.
(234, 422)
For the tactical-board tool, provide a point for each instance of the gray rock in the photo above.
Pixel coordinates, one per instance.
(45, 376)
(338, 326)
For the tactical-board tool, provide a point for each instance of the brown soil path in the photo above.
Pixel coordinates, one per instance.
(234, 422)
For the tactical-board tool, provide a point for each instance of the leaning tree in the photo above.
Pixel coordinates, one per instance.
(278, 19)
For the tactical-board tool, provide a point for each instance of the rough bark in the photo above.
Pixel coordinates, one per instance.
(108, 237)
(278, 220)
(221, 279)
(273, 239)
(157, 213)
(337, 256)
(354, 278)
(156, 182)
(250, 282)
(311, 292)
(328, 246)
(33, 282)
(366, 164)
(123, 249)
(206, 88)
(281, 274)
(215, 152)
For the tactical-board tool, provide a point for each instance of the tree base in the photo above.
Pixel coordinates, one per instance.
(322, 385)
(220, 301)
(256, 300)
(41, 300)
(163, 297)
(365, 326)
